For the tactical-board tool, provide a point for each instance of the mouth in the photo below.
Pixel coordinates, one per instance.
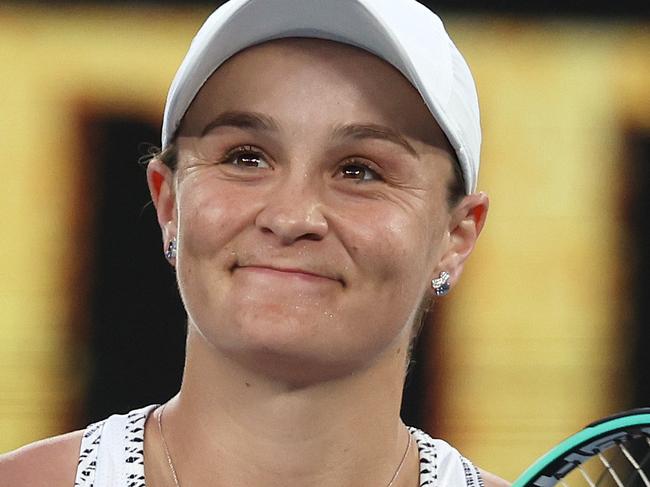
(308, 275)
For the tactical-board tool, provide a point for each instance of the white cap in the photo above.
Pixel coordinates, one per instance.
(402, 32)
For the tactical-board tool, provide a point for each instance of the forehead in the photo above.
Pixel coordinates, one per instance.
(321, 79)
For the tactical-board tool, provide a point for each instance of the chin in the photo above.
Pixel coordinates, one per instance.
(297, 343)
(290, 351)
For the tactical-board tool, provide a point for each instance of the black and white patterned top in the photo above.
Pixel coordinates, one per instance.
(112, 455)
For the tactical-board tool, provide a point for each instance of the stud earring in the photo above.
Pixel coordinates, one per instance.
(441, 284)
(170, 253)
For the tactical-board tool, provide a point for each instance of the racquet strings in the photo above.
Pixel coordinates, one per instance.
(624, 464)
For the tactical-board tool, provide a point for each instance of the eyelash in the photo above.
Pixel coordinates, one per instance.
(363, 166)
(245, 150)
(254, 153)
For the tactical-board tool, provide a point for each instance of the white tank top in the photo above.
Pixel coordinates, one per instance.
(112, 455)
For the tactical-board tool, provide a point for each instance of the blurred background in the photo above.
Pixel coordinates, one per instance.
(548, 330)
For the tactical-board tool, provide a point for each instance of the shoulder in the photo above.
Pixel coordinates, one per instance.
(491, 480)
(51, 462)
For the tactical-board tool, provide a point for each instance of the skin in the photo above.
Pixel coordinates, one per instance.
(307, 237)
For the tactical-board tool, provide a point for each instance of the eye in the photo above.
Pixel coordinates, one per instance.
(246, 156)
(359, 172)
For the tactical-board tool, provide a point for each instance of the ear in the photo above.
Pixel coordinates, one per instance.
(160, 179)
(466, 223)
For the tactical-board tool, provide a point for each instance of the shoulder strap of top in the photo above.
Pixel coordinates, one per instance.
(442, 465)
(112, 451)
(87, 464)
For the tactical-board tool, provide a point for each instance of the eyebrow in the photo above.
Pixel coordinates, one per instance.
(243, 120)
(261, 122)
(373, 131)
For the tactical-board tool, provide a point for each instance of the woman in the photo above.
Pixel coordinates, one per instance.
(315, 191)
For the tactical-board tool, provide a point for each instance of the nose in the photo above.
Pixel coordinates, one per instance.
(294, 212)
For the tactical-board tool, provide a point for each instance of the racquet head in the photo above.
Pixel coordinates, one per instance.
(612, 452)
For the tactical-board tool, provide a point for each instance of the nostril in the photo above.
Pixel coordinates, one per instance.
(288, 239)
(312, 236)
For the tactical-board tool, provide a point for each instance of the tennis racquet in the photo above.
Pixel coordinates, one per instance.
(612, 452)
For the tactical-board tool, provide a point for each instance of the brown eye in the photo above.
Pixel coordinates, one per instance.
(246, 156)
(359, 172)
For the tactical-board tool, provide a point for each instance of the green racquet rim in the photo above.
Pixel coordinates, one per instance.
(591, 432)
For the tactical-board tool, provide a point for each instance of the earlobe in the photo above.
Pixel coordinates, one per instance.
(161, 187)
(465, 227)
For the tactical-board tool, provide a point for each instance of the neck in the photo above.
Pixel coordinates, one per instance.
(344, 431)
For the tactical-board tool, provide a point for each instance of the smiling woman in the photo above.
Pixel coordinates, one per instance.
(308, 196)
(313, 188)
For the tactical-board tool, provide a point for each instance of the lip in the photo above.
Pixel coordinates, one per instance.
(287, 272)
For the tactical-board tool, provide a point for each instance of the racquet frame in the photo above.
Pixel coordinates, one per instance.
(577, 449)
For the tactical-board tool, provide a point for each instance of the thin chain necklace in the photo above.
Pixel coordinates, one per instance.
(175, 476)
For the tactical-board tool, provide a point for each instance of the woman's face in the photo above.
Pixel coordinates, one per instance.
(310, 207)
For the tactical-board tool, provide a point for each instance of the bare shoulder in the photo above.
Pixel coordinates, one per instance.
(491, 480)
(51, 462)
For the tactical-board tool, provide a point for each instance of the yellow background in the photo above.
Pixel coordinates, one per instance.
(532, 339)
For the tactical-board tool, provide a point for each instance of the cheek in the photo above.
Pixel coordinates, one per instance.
(397, 245)
(209, 215)
(392, 256)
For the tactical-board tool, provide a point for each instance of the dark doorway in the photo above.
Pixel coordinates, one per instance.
(637, 264)
(137, 329)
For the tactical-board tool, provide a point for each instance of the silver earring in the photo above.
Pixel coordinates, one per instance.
(170, 253)
(441, 285)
